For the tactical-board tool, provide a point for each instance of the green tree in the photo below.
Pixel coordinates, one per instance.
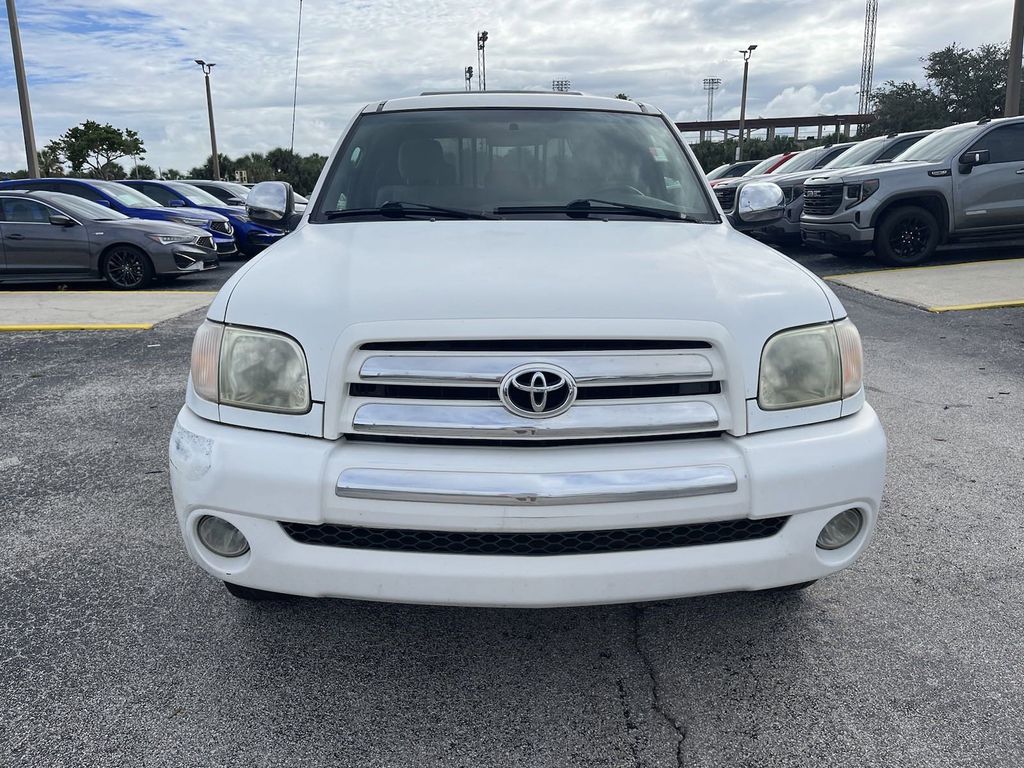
(623, 96)
(907, 107)
(970, 82)
(171, 174)
(49, 161)
(95, 149)
(143, 171)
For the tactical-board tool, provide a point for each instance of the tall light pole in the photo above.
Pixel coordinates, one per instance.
(481, 48)
(26, 109)
(712, 84)
(295, 91)
(1016, 53)
(209, 105)
(743, 99)
(469, 78)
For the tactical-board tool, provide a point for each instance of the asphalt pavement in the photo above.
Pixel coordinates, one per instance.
(116, 650)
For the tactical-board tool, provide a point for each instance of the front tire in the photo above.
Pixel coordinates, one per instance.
(253, 595)
(907, 236)
(126, 268)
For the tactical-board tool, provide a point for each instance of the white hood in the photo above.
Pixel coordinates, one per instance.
(324, 278)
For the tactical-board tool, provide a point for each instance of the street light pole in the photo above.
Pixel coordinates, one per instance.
(31, 158)
(1016, 54)
(209, 105)
(743, 99)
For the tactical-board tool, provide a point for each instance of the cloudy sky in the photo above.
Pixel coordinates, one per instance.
(130, 62)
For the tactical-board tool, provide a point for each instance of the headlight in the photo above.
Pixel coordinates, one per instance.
(858, 193)
(190, 222)
(247, 368)
(810, 366)
(170, 239)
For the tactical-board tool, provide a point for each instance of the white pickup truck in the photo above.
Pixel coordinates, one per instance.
(514, 354)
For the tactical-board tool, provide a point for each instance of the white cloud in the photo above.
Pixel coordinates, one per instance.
(129, 62)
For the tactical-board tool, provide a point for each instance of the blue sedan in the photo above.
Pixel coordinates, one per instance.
(132, 203)
(252, 238)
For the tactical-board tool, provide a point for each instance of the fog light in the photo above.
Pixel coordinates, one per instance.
(841, 529)
(221, 537)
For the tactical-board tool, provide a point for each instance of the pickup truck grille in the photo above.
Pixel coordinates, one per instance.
(462, 390)
(726, 196)
(823, 199)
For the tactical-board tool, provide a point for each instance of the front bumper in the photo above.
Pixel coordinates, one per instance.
(845, 233)
(178, 259)
(256, 479)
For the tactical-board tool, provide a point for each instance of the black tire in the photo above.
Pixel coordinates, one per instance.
(127, 268)
(253, 595)
(907, 236)
(792, 587)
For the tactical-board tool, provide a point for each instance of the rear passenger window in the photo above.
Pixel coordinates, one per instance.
(897, 148)
(1005, 144)
(158, 193)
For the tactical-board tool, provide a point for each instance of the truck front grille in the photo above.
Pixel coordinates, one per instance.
(533, 543)
(823, 199)
(452, 390)
(726, 197)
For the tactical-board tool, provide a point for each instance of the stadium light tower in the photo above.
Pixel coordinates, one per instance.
(743, 99)
(561, 86)
(481, 56)
(207, 67)
(712, 84)
(469, 78)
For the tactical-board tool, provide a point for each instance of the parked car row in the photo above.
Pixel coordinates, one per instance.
(125, 232)
(900, 196)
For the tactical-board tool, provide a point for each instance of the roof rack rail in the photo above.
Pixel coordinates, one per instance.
(477, 93)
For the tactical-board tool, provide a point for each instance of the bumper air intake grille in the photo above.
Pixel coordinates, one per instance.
(533, 544)
(823, 200)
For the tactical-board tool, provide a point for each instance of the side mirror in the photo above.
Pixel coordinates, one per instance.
(758, 203)
(176, 204)
(60, 220)
(271, 202)
(972, 158)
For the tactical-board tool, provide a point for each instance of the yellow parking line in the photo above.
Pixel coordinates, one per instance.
(914, 269)
(981, 305)
(79, 327)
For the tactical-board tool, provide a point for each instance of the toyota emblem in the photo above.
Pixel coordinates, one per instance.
(538, 390)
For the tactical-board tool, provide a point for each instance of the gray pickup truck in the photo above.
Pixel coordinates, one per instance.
(963, 182)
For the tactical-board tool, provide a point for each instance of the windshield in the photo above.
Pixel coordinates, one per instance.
(763, 166)
(937, 147)
(862, 154)
(719, 172)
(126, 195)
(83, 209)
(194, 195)
(479, 160)
(804, 161)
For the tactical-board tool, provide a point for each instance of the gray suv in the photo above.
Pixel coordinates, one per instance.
(965, 181)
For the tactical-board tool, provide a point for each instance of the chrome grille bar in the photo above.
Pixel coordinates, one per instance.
(580, 421)
(542, 489)
(587, 370)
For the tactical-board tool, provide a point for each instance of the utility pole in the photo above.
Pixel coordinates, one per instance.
(209, 105)
(31, 158)
(1016, 54)
(481, 47)
(743, 99)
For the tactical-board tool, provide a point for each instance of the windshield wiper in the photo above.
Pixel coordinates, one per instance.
(395, 209)
(585, 206)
